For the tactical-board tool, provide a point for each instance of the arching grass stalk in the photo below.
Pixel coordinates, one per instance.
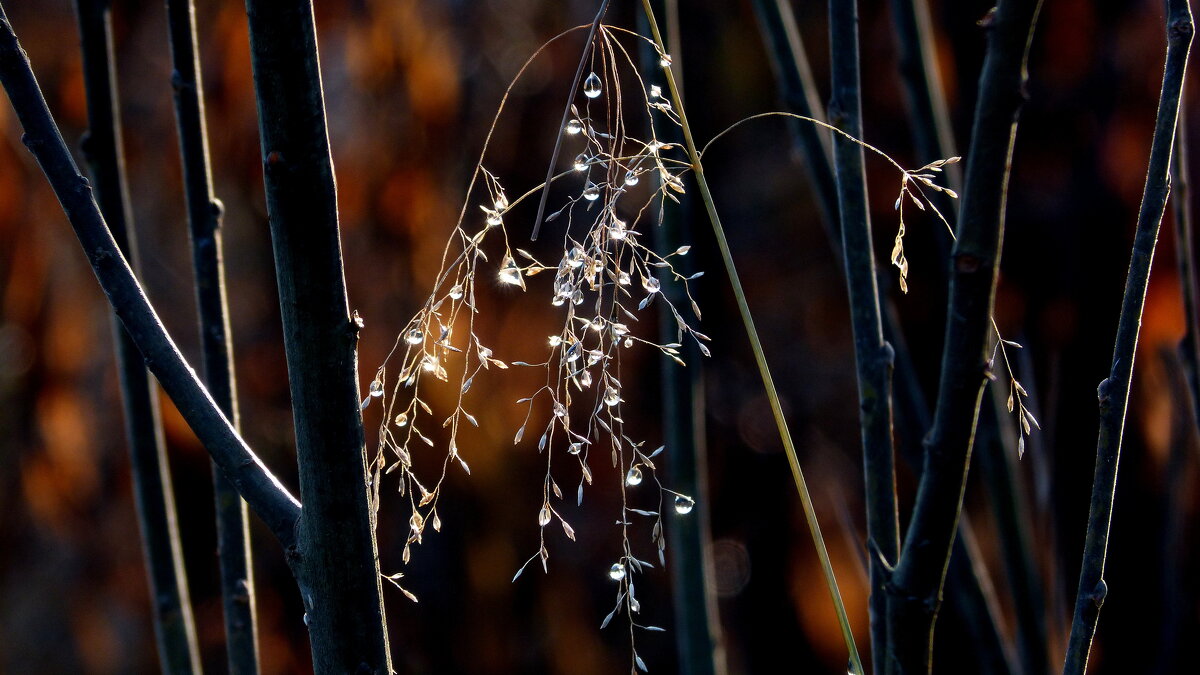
(855, 663)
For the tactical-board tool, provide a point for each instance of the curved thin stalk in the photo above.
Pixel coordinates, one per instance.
(873, 356)
(174, 627)
(257, 485)
(1113, 392)
(204, 219)
(920, 572)
(855, 663)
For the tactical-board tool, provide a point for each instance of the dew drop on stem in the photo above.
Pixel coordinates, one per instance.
(634, 477)
(591, 192)
(591, 86)
(574, 127)
(414, 337)
(684, 504)
(616, 572)
(631, 178)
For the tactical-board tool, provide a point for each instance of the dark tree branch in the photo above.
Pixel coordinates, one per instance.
(154, 496)
(916, 584)
(872, 355)
(204, 219)
(1185, 255)
(265, 494)
(336, 562)
(972, 605)
(1114, 391)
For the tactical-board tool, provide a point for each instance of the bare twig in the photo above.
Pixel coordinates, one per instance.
(1113, 392)
(174, 627)
(204, 218)
(872, 355)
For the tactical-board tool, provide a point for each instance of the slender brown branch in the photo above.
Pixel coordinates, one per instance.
(154, 496)
(915, 588)
(204, 219)
(265, 494)
(1113, 392)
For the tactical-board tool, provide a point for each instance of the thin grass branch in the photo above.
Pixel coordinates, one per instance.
(1113, 392)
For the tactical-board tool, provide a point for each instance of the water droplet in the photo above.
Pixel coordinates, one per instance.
(655, 91)
(594, 357)
(485, 353)
(665, 60)
(575, 448)
(591, 192)
(616, 572)
(575, 257)
(631, 178)
(684, 505)
(612, 396)
(581, 162)
(544, 516)
(493, 218)
(634, 477)
(585, 378)
(617, 231)
(654, 146)
(429, 363)
(573, 352)
(555, 340)
(377, 388)
(634, 605)
(597, 324)
(414, 337)
(557, 301)
(456, 292)
(560, 410)
(591, 86)
(401, 419)
(577, 297)
(501, 201)
(574, 126)
(619, 329)
(628, 342)
(651, 285)
(623, 279)
(510, 273)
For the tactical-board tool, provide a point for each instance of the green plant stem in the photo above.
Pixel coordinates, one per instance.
(336, 562)
(1113, 392)
(204, 219)
(916, 584)
(257, 485)
(760, 358)
(154, 496)
(697, 621)
(872, 355)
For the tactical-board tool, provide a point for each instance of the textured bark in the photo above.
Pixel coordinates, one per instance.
(336, 561)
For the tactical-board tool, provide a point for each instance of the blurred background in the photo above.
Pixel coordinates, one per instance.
(411, 87)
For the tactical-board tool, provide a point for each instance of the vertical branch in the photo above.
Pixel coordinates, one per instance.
(1113, 392)
(872, 355)
(1185, 256)
(336, 562)
(971, 603)
(174, 627)
(204, 216)
(253, 481)
(916, 584)
(697, 621)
